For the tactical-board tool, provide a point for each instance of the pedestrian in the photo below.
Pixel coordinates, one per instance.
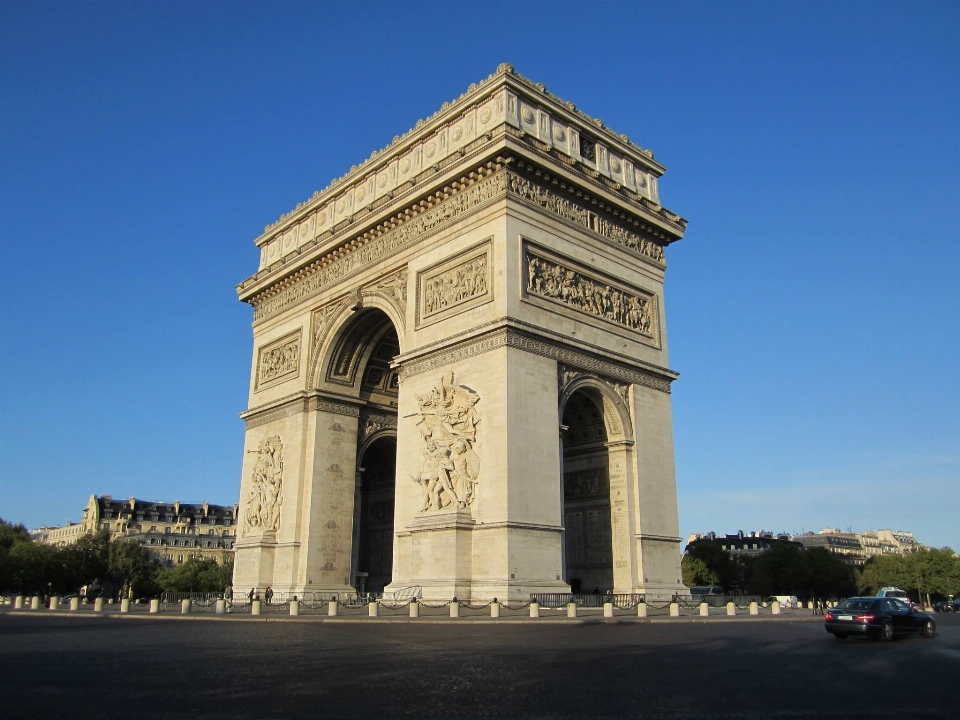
(268, 594)
(250, 595)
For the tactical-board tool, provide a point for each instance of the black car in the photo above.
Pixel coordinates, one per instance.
(880, 618)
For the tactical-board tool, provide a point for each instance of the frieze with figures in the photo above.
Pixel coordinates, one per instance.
(585, 483)
(549, 279)
(279, 360)
(454, 286)
(573, 212)
(348, 260)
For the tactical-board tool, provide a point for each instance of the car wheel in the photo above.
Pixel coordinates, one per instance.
(926, 630)
(840, 636)
(886, 632)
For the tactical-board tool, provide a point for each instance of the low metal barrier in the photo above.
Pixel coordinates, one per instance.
(586, 600)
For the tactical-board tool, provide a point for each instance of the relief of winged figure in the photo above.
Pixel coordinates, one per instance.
(448, 425)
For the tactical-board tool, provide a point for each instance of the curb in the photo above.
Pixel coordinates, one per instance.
(417, 621)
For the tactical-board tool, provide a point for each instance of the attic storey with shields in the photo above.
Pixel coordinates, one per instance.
(460, 380)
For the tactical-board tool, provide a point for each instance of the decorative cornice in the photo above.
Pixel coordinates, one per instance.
(475, 91)
(504, 103)
(528, 342)
(431, 215)
(294, 405)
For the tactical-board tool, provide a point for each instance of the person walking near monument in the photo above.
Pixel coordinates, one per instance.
(268, 594)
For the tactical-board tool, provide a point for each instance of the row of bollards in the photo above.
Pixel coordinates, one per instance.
(373, 609)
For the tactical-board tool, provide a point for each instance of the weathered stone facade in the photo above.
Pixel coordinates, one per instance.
(460, 379)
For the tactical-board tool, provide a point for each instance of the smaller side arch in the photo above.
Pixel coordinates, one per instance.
(616, 414)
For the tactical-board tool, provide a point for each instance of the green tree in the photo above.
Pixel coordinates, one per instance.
(10, 534)
(696, 572)
(130, 567)
(728, 572)
(196, 575)
(89, 558)
(38, 568)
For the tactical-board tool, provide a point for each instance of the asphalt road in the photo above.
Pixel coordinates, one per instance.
(57, 667)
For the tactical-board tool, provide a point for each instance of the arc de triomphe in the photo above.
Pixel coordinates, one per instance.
(460, 377)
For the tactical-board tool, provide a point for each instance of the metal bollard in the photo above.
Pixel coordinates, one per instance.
(255, 607)
(35, 602)
(454, 608)
(674, 609)
(608, 609)
(571, 610)
(809, 604)
(18, 602)
(75, 603)
(775, 607)
(534, 609)
(641, 609)
(704, 610)
(54, 602)
(221, 606)
(98, 605)
(332, 608)
(373, 608)
(494, 609)
(184, 607)
(294, 608)
(125, 604)
(414, 608)
(754, 610)
(155, 605)
(731, 608)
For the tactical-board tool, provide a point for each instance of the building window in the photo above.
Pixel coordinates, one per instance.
(166, 530)
(153, 528)
(179, 558)
(209, 532)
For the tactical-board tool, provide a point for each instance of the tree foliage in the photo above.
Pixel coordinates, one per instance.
(933, 571)
(120, 567)
(196, 575)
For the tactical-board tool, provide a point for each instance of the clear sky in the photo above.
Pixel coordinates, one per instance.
(813, 308)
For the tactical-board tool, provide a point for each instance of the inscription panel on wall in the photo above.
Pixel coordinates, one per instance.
(455, 285)
(561, 281)
(279, 360)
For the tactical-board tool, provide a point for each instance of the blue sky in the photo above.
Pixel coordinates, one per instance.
(813, 308)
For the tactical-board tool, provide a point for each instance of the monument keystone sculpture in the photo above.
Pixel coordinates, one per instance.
(460, 380)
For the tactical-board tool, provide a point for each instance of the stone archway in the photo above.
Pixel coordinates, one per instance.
(505, 238)
(595, 448)
(374, 511)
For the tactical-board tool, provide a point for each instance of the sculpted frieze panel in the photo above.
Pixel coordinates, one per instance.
(573, 212)
(454, 286)
(350, 260)
(278, 360)
(450, 467)
(568, 285)
(264, 499)
(585, 483)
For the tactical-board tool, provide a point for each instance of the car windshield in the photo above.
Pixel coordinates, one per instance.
(856, 604)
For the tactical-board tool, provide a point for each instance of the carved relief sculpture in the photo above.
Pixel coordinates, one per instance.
(548, 279)
(463, 282)
(279, 360)
(454, 286)
(450, 468)
(264, 499)
(569, 210)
